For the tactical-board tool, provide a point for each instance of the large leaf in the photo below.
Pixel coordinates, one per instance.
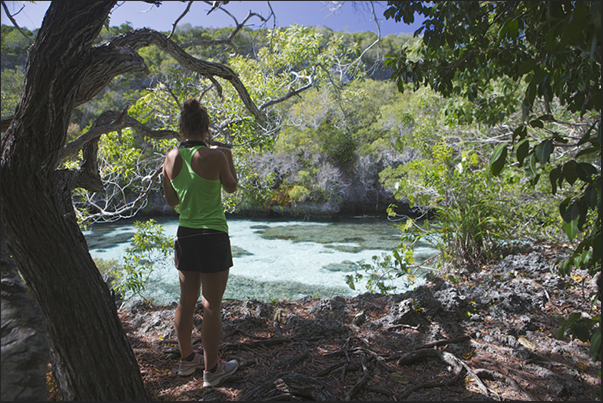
(595, 345)
(543, 151)
(498, 159)
(570, 221)
(570, 171)
(523, 148)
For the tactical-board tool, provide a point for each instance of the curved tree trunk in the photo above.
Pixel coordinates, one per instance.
(25, 352)
(91, 355)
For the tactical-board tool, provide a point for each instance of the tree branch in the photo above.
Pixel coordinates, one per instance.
(190, 3)
(227, 41)
(112, 121)
(10, 17)
(145, 37)
(290, 94)
(107, 61)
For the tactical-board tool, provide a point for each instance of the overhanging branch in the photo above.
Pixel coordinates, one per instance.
(146, 37)
(112, 121)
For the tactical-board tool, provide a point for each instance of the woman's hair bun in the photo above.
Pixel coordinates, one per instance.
(192, 104)
(193, 118)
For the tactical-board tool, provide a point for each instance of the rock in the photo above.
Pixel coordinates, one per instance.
(533, 264)
(359, 318)
(316, 328)
(336, 304)
(401, 313)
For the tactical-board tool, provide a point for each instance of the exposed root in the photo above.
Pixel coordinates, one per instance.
(290, 386)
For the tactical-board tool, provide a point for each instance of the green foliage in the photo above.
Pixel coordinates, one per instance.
(148, 244)
(14, 47)
(465, 199)
(337, 145)
(555, 46)
(552, 51)
(12, 87)
(584, 329)
(401, 263)
(385, 268)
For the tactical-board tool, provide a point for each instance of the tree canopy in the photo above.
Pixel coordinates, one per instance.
(550, 53)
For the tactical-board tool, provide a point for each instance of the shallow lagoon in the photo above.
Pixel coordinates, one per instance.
(272, 259)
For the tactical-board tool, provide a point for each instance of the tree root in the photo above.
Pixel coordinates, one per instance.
(444, 342)
(490, 374)
(361, 382)
(290, 386)
(299, 358)
(448, 358)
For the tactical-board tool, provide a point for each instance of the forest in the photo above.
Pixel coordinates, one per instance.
(481, 134)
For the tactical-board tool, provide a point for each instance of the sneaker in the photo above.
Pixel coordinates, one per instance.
(224, 370)
(189, 367)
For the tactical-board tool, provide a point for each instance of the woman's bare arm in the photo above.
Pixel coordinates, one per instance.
(171, 197)
(228, 173)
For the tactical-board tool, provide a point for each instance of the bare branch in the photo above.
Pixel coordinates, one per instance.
(10, 17)
(190, 3)
(128, 209)
(145, 37)
(227, 41)
(290, 94)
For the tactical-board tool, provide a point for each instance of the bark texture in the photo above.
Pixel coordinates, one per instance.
(24, 343)
(92, 358)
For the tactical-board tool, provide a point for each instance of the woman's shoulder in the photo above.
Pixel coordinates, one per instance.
(172, 154)
(211, 152)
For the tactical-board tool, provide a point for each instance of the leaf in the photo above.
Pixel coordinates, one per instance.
(498, 159)
(530, 169)
(543, 151)
(572, 212)
(554, 177)
(526, 343)
(570, 229)
(398, 377)
(349, 279)
(595, 345)
(585, 171)
(520, 132)
(570, 171)
(581, 331)
(522, 150)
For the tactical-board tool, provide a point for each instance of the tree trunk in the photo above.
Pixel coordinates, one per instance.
(92, 358)
(24, 341)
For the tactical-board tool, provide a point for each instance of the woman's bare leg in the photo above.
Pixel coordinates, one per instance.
(190, 285)
(214, 285)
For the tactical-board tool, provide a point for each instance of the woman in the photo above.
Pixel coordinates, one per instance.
(193, 176)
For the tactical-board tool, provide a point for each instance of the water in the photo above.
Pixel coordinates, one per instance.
(273, 259)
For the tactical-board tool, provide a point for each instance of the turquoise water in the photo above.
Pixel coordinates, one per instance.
(272, 259)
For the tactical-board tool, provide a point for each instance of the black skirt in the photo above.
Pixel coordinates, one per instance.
(202, 250)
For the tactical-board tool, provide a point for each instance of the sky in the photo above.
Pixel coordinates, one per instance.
(351, 16)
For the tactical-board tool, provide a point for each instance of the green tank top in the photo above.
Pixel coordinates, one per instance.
(200, 199)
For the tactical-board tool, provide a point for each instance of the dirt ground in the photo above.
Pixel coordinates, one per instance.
(489, 336)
